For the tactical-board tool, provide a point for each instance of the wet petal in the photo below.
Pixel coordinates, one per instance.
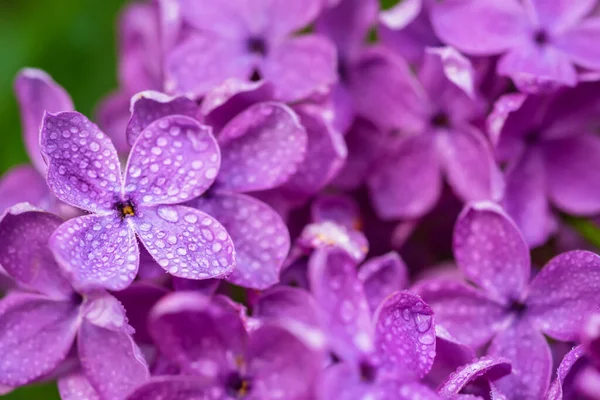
(76, 386)
(405, 336)
(301, 66)
(467, 314)
(491, 368)
(110, 360)
(173, 160)
(382, 276)
(555, 392)
(197, 333)
(261, 148)
(177, 388)
(96, 251)
(495, 25)
(23, 184)
(259, 235)
(35, 336)
(340, 294)
(531, 374)
(407, 182)
(490, 251)
(149, 106)
(186, 242)
(83, 167)
(565, 293)
(25, 255)
(36, 93)
(450, 355)
(281, 364)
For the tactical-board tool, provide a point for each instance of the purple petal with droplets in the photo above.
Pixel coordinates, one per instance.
(174, 159)
(261, 148)
(340, 294)
(564, 293)
(25, 255)
(35, 336)
(76, 386)
(404, 336)
(491, 368)
(177, 388)
(260, 237)
(149, 106)
(555, 392)
(97, 251)
(382, 276)
(468, 315)
(23, 184)
(490, 251)
(83, 166)
(186, 242)
(37, 93)
(450, 355)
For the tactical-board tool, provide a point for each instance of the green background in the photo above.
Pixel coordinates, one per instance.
(72, 40)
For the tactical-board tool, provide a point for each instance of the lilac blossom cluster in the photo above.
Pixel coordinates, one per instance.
(313, 200)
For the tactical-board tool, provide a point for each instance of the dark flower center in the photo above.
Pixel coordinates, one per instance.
(257, 45)
(237, 385)
(518, 307)
(367, 371)
(256, 76)
(532, 137)
(440, 120)
(125, 208)
(342, 70)
(540, 37)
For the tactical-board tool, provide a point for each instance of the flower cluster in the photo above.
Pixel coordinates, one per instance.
(313, 199)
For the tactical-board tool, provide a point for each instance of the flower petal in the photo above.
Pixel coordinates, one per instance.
(259, 235)
(110, 360)
(494, 26)
(173, 160)
(578, 43)
(37, 93)
(382, 276)
(530, 374)
(405, 336)
(555, 392)
(197, 333)
(339, 208)
(23, 184)
(329, 234)
(450, 354)
(301, 66)
(25, 255)
(204, 61)
(406, 183)
(177, 388)
(287, 16)
(573, 166)
(288, 303)
(491, 368)
(565, 293)
(35, 336)
(281, 364)
(261, 148)
(560, 14)
(83, 166)
(112, 116)
(149, 106)
(464, 312)
(96, 252)
(186, 242)
(76, 386)
(340, 294)
(490, 251)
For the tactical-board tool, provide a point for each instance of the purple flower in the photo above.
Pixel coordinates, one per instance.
(551, 159)
(505, 307)
(220, 359)
(541, 42)
(261, 147)
(249, 40)
(36, 92)
(41, 319)
(173, 160)
(430, 133)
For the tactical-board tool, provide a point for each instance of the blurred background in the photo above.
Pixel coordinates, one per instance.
(75, 42)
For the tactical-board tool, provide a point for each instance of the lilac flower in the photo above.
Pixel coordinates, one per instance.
(42, 318)
(220, 359)
(36, 92)
(261, 148)
(174, 160)
(551, 158)
(249, 40)
(430, 133)
(504, 307)
(541, 42)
